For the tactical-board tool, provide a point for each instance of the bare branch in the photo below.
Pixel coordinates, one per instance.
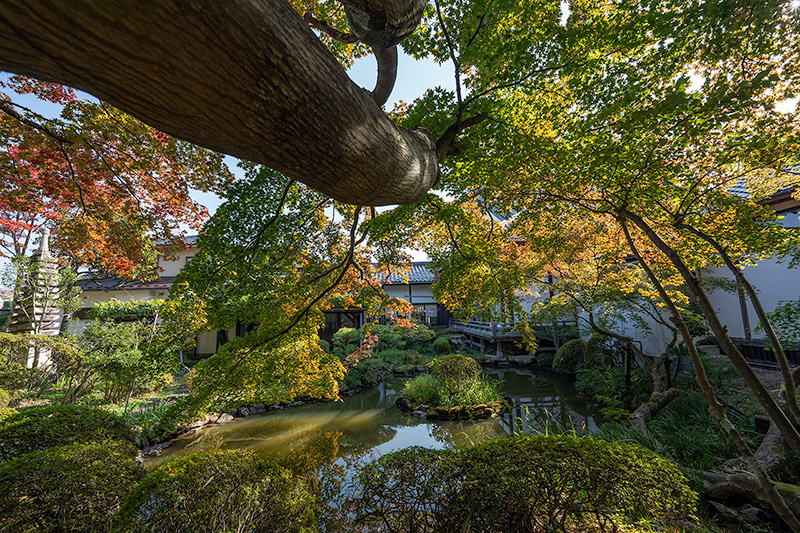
(336, 35)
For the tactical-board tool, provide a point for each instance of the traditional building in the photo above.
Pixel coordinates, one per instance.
(413, 286)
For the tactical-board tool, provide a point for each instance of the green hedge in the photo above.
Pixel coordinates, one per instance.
(569, 357)
(524, 484)
(67, 488)
(409, 490)
(45, 427)
(218, 491)
(442, 345)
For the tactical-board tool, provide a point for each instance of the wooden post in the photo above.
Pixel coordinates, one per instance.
(668, 372)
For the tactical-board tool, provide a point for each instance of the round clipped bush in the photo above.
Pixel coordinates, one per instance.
(454, 367)
(569, 357)
(600, 351)
(408, 490)
(524, 484)
(68, 488)
(441, 345)
(40, 428)
(545, 358)
(543, 483)
(219, 491)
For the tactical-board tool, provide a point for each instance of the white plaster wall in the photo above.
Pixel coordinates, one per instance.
(207, 343)
(774, 283)
(420, 294)
(173, 266)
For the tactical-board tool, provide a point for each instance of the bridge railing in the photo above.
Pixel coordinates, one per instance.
(495, 330)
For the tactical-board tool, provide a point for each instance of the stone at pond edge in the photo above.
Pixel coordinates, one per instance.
(222, 419)
(155, 450)
(459, 412)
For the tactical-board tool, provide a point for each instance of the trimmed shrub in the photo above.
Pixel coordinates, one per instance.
(40, 428)
(524, 484)
(391, 358)
(601, 351)
(441, 345)
(545, 358)
(403, 334)
(569, 357)
(5, 398)
(454, 380)
(325, 345)
(543, 483)
(218, 491)
(345, 341)
(67, 488)
(453, 370)
(408, 490)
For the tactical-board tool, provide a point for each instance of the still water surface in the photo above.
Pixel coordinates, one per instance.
(369, 422)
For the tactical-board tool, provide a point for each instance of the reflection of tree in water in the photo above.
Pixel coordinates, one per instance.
(543, 401)
(464, 433)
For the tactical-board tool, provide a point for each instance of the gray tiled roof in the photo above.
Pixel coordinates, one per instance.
(419, 274)
(113, 284)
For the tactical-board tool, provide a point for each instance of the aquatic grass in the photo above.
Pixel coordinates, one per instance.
(530, 424)
(475, 391)
(424, 389)
(429, 390)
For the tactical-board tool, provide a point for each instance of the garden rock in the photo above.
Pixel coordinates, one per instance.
(155, 450)
(222, 418)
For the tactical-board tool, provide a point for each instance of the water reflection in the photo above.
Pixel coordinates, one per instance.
(369, 422)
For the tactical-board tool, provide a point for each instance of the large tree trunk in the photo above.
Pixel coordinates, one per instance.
(244, 77)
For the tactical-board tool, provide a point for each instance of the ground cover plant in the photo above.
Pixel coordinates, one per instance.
(685, 431)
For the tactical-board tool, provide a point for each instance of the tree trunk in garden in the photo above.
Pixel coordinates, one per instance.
(742, 284)
(244, 77)
(773, 410)
(772, 495)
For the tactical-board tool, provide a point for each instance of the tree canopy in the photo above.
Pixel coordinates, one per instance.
(113, 191)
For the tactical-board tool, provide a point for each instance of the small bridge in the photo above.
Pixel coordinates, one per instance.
(478, 333)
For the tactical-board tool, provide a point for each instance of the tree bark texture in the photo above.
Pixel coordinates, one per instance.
(651, 408)
(245, 77)
(767, 487)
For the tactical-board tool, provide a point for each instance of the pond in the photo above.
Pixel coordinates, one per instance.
(369, 422)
